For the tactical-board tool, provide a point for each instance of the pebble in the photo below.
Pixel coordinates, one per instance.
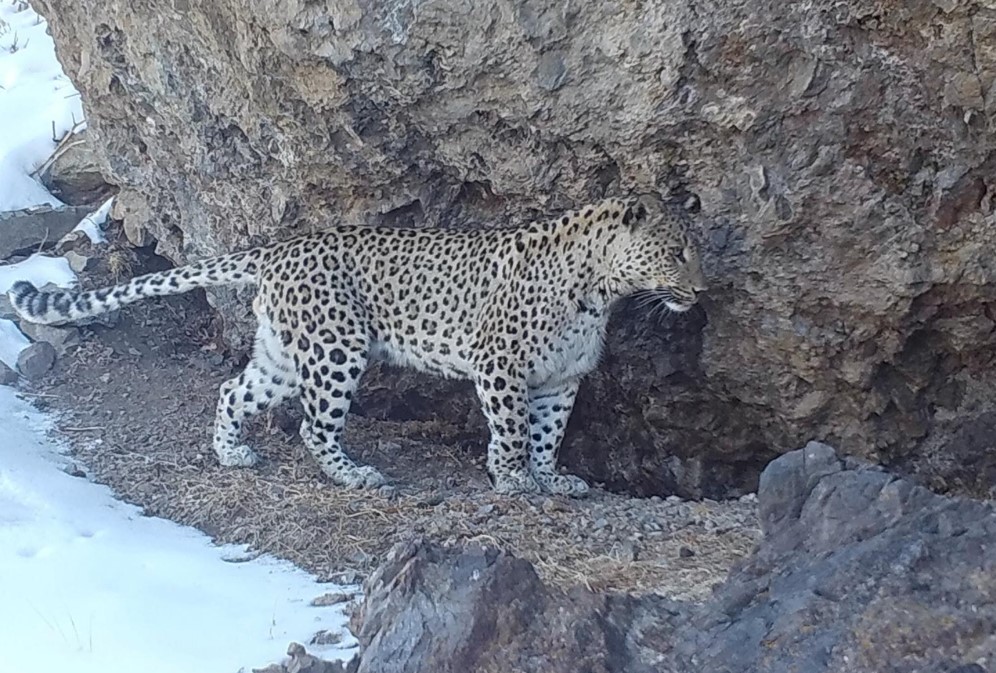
(324, 637)
(630, 551)
(347, 577)
(550, 505)
(433, 500)
(73, 470)
(334, 598)
(686, 552)
(36, 359)
(77, 262)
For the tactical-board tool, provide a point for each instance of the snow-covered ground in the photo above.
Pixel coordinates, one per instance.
(88, 583)
(37, 102)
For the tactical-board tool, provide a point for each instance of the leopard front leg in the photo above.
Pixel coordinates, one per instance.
(549, 409)
(505, 402)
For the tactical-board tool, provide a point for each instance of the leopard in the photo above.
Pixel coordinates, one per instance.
(521, 310)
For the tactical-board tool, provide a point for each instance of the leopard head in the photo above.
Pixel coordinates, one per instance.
(660, 258)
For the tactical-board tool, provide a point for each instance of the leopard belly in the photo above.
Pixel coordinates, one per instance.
(573, 351)
(451, 365)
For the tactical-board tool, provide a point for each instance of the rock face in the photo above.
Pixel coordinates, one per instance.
(842, 155)
(858, 572)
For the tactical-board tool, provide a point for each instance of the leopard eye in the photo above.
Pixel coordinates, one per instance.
(680, 255)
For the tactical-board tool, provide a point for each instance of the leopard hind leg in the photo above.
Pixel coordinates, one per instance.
(267, 380)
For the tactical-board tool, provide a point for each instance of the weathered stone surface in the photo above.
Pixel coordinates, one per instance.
(36, 359)
(77, 262)
(8, 376)
(6, 309)
(867, 573)
(25, 230)
(299, 661)
(859, 572)
(433, 609)
(61, 338)
(132, 208)
(842, 153)
(75, 176)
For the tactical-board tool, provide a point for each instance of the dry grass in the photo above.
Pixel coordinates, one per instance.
(290, 511)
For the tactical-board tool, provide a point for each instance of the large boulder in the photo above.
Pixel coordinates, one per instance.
(842, 155)
(447, 611)
(858, 572)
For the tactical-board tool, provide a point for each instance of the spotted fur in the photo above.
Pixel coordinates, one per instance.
(522, 312)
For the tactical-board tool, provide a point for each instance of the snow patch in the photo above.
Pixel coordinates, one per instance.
(37, 101)
(90, 584)
(38, 270)
(92, 224)
(12, 342)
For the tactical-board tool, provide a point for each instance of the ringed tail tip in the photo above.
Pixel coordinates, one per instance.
(20, 295)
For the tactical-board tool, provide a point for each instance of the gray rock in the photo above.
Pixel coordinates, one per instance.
(7, 311)
(864, 573)
(453, 611)
(77, 262)
(75, 176)
(26, 230)
(62, 338)
(788, 480)
(300, 661)
(832, 191)
(35, 360)
(551, 71)
(8, 376)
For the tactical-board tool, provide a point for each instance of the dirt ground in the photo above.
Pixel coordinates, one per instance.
(136, 402)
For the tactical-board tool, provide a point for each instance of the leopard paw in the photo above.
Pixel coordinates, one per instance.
(562, 484)
(238, 456)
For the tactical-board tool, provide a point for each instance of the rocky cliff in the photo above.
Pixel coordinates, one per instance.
(840, 154)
